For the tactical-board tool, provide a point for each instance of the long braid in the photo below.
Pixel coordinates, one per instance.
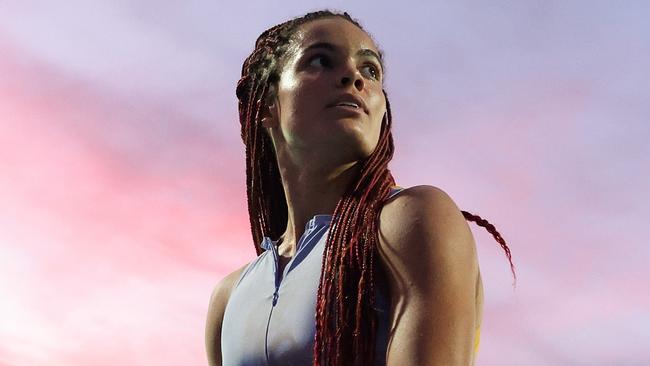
(492, 230)
(346, 319)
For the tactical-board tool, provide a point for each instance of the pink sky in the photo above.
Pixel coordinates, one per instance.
(122, 171)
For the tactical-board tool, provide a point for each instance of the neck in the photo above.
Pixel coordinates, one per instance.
(311, 192)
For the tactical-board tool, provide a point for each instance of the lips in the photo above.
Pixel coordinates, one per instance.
(349, 100)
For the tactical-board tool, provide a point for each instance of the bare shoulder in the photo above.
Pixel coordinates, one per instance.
(216, 308)
(422, 222)
(428, 254)
(221, 291)
(422, 207)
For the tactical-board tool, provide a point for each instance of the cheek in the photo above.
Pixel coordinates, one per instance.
(298, 99)
(377, 104)
(297, 112)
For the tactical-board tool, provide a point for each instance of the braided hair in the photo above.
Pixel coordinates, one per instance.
(346, 321)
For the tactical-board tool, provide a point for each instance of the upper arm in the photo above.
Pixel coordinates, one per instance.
(216, 308)
(429, 255)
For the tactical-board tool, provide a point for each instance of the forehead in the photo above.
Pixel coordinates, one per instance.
(333, 30)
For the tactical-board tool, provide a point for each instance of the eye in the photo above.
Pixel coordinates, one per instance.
(325, 60)
(373, 70)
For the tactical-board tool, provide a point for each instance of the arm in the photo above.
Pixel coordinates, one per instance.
(216, 308)
(429, 256)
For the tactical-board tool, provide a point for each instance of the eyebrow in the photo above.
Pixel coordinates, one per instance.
(361, 52)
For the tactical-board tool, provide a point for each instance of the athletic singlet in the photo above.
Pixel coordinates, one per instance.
(270, 320)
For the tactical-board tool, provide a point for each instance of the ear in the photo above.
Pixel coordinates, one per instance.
(269, 113)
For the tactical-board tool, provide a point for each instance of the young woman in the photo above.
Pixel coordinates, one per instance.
(351, 268)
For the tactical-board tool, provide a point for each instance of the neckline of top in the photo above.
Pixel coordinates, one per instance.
(316, 220)
(319, 219)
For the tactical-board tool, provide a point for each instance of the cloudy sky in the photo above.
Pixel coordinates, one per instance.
(122, 175)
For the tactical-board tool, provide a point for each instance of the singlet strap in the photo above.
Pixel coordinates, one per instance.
(394, 190)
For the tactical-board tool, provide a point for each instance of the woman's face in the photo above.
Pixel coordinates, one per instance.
(329, 60)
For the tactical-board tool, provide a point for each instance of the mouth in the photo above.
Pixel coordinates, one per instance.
(348, 107)
(349, 102)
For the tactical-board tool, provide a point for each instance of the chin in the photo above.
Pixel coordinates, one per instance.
(357, 151)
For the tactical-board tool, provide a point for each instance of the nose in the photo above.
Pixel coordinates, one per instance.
(351, 76)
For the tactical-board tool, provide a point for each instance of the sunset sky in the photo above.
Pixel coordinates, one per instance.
(122, 173)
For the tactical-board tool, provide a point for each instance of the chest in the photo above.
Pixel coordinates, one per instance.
(270, 316)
